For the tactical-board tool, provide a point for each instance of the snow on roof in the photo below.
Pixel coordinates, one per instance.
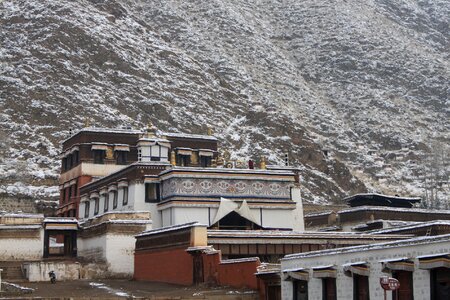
(60, 220)
(354, 263)
(239, 260)
(295, 269)
(432, 255)
(19, 227)
(393, 259)
(408, 227)
(323, 267)
(189, 136)
(318, 214)
(170, 228)
(229, 170)
(394, 209)
(132, 165)
(21, 215)
(376, 246)
(122, 212)
(123, 222)
(292, 234)
(104, 130)
(414, 199)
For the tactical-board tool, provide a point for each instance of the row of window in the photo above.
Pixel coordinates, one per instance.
(439, 289)
(107, 199)
(69, 192)
(153, 153)
(121, 157)
(70, 161)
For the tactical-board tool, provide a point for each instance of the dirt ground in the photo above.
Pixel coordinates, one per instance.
(127, 289)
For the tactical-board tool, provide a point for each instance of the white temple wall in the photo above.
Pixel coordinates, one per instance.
(120, 253)
(22, 248)
(38, 271)
(92, 248)
(182, 215)
(276, 218)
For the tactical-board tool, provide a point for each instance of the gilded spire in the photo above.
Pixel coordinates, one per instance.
(150, 131)
(263, 163)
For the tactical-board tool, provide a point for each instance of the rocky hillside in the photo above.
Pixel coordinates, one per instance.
(355, 91)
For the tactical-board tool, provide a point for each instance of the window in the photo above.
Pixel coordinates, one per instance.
(96, 206)
(121, 157)
(99, 156)
(360, 287)
(70, 193)
(300, 289)
(106, 206)
(114, 199)
(86, 209)
(183, 160)
(440, 283)
(63, 196)
(405, 292)
(64, 164)
(69, 161)
(205, 161)
(125, 196)
(76, 158)
(152, 192)
(329, 288)
(75, 190)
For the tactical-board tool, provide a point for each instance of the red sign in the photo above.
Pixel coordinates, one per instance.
(389, 284)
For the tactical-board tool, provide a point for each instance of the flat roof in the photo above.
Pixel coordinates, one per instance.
(381, 200)
(377, 246)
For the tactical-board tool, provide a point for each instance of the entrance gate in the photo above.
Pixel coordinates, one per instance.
(60, 237)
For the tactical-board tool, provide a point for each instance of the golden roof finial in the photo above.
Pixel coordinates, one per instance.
(210, 131)
(150, 131)
(86, 122)
(263, 163)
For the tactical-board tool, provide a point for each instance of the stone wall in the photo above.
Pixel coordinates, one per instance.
(27, 204)
(20, 203)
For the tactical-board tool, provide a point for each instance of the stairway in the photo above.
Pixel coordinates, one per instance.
(12, 270)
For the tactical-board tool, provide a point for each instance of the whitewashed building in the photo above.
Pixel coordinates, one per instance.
(422, 266)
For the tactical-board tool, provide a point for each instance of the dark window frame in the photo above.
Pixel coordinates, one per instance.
(125, 195)
(121, 157)
(99, 156)
(106, 202)
(152, 192)
(325, 291)
(96, 206)
(115, 199)
(87, 206)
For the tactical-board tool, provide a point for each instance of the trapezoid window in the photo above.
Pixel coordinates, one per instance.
(152, 193)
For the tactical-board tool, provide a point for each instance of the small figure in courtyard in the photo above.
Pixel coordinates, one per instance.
(52, 276)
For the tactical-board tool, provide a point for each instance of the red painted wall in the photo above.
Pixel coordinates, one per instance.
(239, 275)
(211, 268)
(171, 266)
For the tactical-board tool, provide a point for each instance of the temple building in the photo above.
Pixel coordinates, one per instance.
(178, 178)
(93, 153)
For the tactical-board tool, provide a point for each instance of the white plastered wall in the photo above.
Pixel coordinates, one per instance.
(182, 215)
(38, 271)
(276, 218)
(298, 221)
(92, 248)
(22, 248)
(120, 253)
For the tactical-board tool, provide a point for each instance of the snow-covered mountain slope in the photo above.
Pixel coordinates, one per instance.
(366, 81)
